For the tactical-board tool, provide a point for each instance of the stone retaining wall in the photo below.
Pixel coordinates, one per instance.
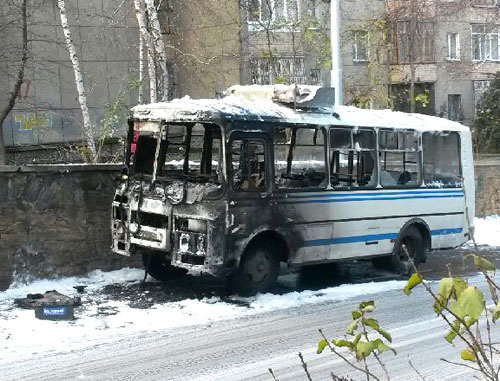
(487, 173)
(55, 221)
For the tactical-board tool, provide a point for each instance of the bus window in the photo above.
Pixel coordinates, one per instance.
(248, 165)
(399, 159)
(299, 158)
(441, 159)
(352, 157)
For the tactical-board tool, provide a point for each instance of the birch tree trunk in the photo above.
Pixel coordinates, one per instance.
(19, 82)
(82, 96)
(159, 46)
(142, 21)
(140, 99)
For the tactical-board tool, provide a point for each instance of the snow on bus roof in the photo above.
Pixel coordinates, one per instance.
(236, 108)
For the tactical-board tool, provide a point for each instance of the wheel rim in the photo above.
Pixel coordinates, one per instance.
(258, 267)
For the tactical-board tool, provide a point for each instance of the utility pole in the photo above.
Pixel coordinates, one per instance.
(336, 74)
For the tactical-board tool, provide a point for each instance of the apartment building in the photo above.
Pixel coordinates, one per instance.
(449, 49)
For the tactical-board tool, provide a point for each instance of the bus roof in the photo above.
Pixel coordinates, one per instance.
(233, 108)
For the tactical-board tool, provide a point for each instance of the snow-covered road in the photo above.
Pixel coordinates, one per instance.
(205, 338)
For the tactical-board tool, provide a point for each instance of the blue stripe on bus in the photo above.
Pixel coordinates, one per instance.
(446, 231)
(371, 237)
(372, 199)
(375, 194)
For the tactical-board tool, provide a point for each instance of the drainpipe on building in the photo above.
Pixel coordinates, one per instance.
(336, 74)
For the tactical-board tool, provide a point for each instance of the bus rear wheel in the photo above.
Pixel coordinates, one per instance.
(409, 247)
(157, 266)
(258, 270)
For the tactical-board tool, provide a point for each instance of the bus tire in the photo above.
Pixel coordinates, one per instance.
(410, 241)
(157, 266)
(258, 269)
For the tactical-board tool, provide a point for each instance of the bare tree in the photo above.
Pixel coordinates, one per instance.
(159, 46)
(82, 95)
(20, 78)
(148, 40)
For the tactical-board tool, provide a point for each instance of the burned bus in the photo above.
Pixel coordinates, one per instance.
(235, 187)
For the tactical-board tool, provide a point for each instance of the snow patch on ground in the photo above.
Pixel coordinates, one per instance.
(487, 230)
(98, 320)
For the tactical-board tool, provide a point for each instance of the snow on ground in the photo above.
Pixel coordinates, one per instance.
(21, 334)
(100, 319)
(487, 231)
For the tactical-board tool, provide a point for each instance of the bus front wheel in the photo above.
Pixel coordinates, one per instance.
(258, 269)
(409, 248)
(157, 266)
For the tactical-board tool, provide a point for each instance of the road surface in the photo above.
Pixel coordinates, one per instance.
(244, 348)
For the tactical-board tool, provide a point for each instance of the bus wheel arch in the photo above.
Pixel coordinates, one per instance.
(413, 239)
(425, 233)
(259, 263)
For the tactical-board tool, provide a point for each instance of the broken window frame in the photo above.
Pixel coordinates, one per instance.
(295, 178)
(447, 159)
(231, 175)
(354, 178)
(400, 147)
(158, 153)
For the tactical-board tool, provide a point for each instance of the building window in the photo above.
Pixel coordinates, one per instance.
(455, 107)
(266, 71)
(405, 44)
(453, 46)
(400, 94)
(266, 11)
(486, 3)
(485, 41)
(479, 89)
(360, 46)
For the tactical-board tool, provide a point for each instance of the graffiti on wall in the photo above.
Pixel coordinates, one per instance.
(27, 121)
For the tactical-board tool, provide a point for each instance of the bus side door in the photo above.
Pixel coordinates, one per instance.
(248, 161)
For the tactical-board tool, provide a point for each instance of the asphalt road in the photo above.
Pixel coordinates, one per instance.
(244, 348)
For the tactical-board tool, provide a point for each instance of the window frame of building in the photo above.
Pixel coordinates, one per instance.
(479, 86)
(455, 108)
(360, 46)
(282, 18)
(423, 49)
(486, 3)
(291, 69)
(487, 38)
(452, 51)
